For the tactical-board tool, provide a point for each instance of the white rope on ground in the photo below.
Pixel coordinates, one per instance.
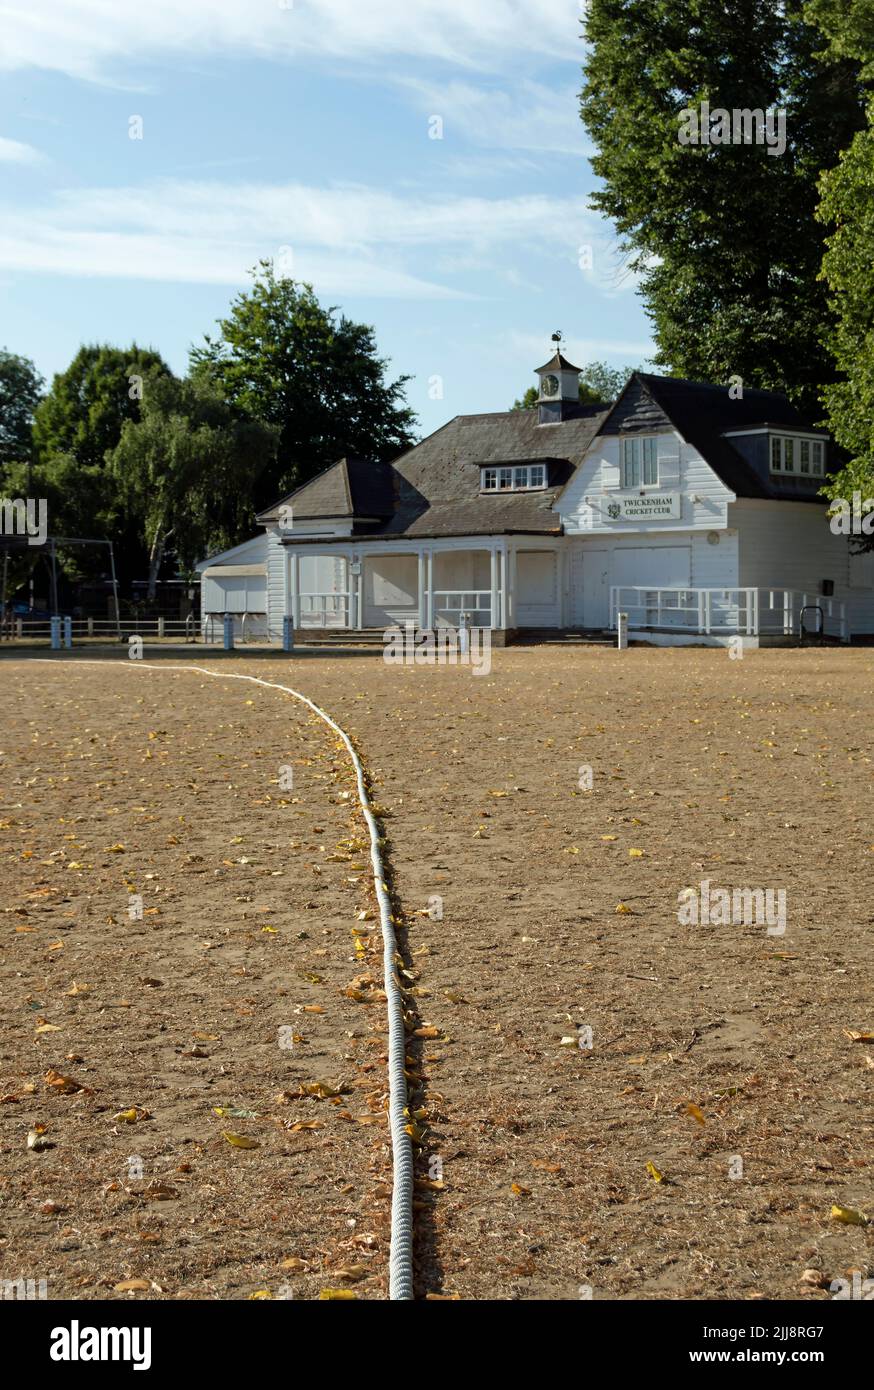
(401, 1247)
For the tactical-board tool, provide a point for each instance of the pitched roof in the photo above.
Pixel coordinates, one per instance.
(438, 481)
(351, 487)
(434, 488)
(702, 413)
(558, 363)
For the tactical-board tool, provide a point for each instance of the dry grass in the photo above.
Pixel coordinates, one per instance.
(753, 773)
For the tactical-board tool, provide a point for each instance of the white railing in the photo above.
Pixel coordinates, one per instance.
(745, 612)
(476, 604)
(324, 610)
(23, 627)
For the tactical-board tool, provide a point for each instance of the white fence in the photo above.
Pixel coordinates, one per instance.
(475, 604)
(325, 610)
(22, 628)
(743, 612)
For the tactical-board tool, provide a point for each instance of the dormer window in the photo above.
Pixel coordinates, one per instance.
(803, 458)
(518, 478)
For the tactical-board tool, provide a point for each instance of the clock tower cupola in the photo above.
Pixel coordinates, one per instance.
(559, 387)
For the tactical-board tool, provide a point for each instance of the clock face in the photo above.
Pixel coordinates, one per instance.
(550, 385)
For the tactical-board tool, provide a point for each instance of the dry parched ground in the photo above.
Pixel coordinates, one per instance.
(695, 1150)
(157, 1063)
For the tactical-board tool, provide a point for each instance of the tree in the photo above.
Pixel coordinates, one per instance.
(284, 360)
(20, 389)
(187, 469)
(724, 236)
(599, 385)
(848, 266)
(87, 405)
(75, 426)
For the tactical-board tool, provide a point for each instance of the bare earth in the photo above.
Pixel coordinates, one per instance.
(695, 1150)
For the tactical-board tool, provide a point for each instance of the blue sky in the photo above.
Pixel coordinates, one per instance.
(302, 130)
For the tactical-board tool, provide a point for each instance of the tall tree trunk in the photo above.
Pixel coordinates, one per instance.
(156, 555)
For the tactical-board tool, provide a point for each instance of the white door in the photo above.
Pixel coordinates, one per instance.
(590, 587)
(537, 596)
(391, 590)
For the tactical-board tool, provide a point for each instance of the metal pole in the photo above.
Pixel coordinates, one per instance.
(3, 599)
(114, 590)
(54, 580)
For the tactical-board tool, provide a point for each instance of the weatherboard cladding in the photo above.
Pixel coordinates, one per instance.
(701, 414)
(434, 489)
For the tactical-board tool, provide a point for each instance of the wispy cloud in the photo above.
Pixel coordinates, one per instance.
(348, 239)
(530, 116)
(16, 152)
(89, 38)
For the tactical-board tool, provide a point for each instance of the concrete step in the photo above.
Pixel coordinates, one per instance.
(562, 637)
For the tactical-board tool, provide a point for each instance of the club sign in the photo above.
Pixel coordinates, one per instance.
(632, 506)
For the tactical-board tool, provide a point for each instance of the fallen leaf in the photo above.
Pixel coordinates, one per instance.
(66, 1085)
(324, 1089)
(241, 1141)
(849, 1216)
(654, 1173)
(351, 1273)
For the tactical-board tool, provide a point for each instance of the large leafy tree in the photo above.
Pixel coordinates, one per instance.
(20, 389)
(599, 384)
(724, 236)
(87, 404)
(847, 210)
(187, 469)
(313, 374)
(76, 425)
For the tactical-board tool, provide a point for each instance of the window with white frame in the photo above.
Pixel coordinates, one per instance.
(640, 461)
(516, 478)
(798, 457)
